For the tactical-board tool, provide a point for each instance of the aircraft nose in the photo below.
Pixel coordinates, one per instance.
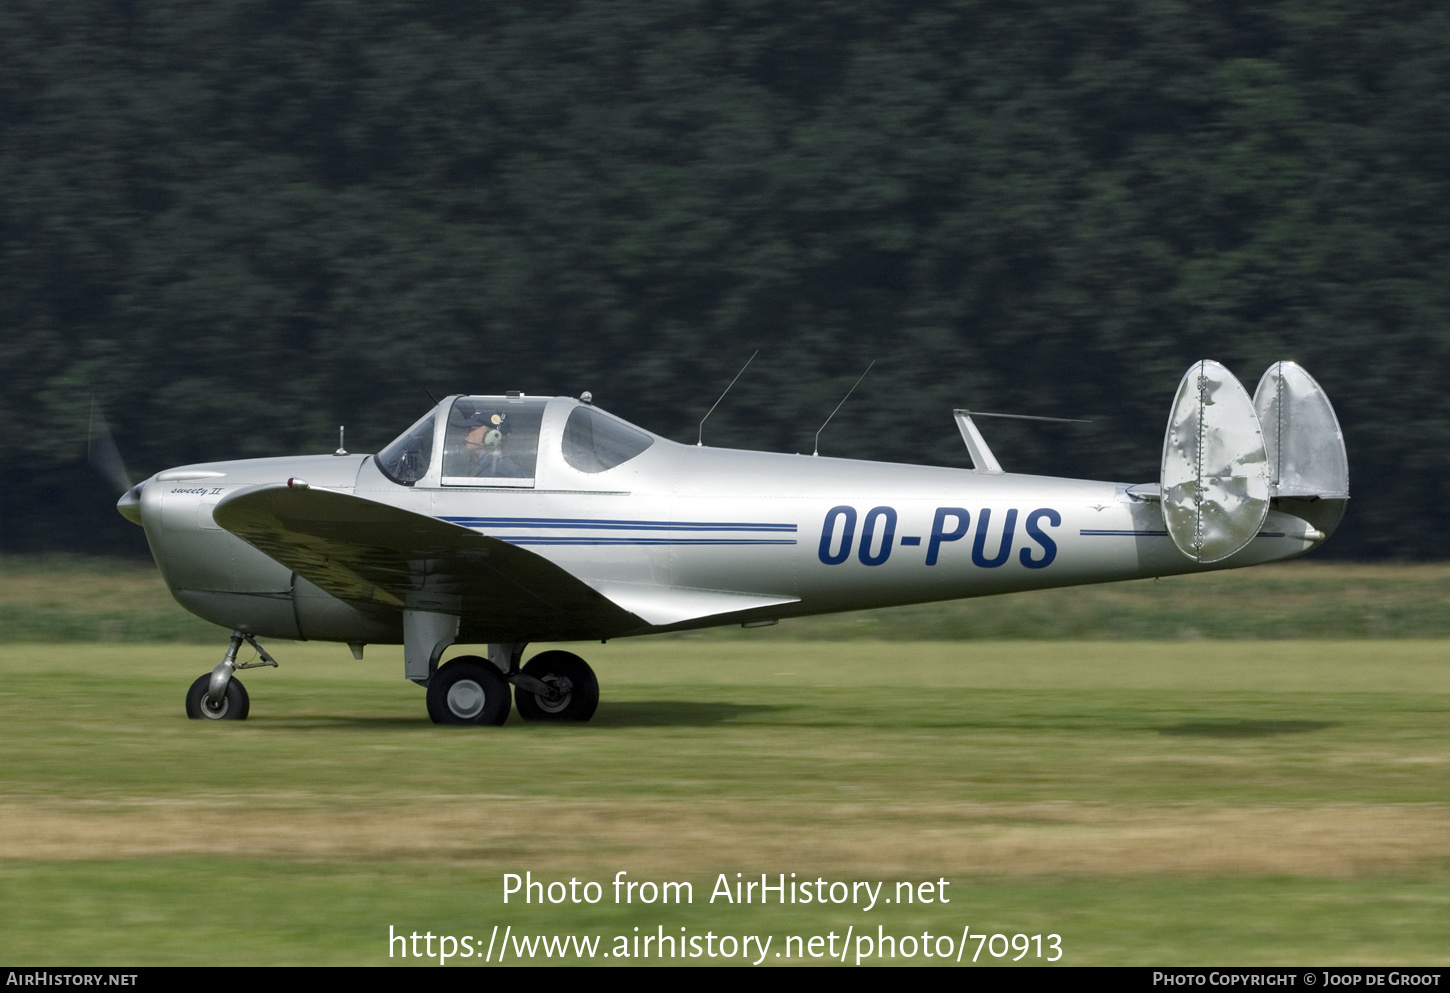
(129, 506)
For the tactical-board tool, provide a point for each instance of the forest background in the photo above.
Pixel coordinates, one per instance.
(240, 224)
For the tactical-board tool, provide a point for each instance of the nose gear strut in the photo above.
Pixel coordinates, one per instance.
(219, 696)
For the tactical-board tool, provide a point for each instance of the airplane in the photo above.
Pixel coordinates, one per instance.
(506, 520)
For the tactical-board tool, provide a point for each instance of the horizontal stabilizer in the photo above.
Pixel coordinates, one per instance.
(1215, 481)
(1145, 492)
(1302, 438)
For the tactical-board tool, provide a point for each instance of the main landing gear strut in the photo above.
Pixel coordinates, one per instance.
(219, 695)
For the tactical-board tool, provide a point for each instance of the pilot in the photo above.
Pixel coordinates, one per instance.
(486, 444)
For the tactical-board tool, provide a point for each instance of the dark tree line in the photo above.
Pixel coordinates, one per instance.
(243, 223)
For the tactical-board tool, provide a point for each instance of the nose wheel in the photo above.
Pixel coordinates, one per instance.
(219, 695)
(233, 706)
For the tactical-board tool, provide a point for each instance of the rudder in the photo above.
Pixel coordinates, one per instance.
(1302, 438)
(1214, 478)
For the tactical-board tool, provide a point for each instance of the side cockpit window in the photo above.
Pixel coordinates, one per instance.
(492, 441)
(594, 442)
(406, 460)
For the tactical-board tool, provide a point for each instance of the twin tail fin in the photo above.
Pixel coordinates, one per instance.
(1226, 456)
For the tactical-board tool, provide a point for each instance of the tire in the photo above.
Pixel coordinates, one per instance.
(578, 689)
(234, 707)
(468, 690)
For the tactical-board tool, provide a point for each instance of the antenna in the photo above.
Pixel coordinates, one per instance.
(431, 396)
(341, 449)
(1029, 417)
(982, 458)
(838, 407)
(700, 441)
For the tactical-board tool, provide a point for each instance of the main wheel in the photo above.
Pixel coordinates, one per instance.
(576, 690)
(468, 690)
(234, 706)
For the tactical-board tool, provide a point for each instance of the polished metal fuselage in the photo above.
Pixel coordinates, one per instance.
(792, 535)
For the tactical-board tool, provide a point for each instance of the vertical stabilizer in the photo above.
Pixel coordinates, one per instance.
(1215, 478)
(1301, 435)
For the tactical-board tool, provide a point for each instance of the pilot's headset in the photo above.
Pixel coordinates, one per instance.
(498, 426)
(492, 423)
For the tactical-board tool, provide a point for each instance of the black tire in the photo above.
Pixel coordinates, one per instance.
(577, 686)
(234, 707)
(468, 690)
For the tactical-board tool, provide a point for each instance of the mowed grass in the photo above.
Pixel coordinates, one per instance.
(60, 598)
(1152, 802)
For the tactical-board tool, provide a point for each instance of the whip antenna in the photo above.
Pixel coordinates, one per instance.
(838, 407)
(700, 440)
(1029, 417)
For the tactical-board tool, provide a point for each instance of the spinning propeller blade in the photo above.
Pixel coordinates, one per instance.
(102, 453)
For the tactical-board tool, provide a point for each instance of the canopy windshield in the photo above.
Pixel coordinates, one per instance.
(406, 460)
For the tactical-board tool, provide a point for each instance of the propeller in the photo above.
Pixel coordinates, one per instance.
(102, 453)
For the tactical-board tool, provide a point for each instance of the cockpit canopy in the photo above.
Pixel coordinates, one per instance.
(495, 441)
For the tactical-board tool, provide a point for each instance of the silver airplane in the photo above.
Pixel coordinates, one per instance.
(508, 520)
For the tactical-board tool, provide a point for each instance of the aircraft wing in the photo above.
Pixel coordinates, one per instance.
(666, 605)
(380, 559)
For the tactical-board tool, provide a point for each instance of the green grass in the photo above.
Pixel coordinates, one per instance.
(54, 599)
(1153, 802)
(58, 598)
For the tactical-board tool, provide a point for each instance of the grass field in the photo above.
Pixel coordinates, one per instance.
(60, 598)
(1152, 802)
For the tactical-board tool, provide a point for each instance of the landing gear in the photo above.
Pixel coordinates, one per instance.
(233, 706)
(562, 688)
(554, 686)
(468, 690)
(219, 696)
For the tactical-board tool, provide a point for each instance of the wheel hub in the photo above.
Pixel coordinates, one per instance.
(466, 699)
(558, 698)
